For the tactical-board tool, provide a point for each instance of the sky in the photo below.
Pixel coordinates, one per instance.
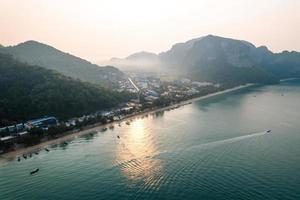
(100, 29)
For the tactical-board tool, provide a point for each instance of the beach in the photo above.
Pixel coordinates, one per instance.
(97, 127)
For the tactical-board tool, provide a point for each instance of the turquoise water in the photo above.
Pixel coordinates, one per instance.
(212, 149)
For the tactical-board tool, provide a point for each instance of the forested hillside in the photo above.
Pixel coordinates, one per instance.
(36, 53)
(31, 91)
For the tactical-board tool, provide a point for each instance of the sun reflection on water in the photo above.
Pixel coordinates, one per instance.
(135, 155)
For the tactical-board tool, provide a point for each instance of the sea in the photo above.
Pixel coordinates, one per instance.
(217, 148)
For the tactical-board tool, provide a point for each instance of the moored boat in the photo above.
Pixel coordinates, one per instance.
(103, 129)
(34, 171)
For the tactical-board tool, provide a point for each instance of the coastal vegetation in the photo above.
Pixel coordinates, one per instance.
(36, 135)
(29, 92)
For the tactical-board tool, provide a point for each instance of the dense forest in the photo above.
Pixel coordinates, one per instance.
(232, 76)
(31, 91)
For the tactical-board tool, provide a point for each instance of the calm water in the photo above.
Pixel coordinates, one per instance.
(213, 149)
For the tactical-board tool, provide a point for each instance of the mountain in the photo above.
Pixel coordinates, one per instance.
(29, 91)
(140, 61)
(283, 65)
(223, 60)
(218, 59)
(143, 56)
(36, 53)
(212, 50)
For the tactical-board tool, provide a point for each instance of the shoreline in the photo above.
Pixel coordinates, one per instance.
(11, 155)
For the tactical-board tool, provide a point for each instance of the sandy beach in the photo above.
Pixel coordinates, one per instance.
(97, 127)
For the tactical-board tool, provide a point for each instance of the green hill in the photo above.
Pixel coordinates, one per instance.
(46, 56)
(31, 91)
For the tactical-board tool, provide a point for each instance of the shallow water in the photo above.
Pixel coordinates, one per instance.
(211, 149)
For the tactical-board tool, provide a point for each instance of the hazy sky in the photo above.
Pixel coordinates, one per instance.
(100, 29)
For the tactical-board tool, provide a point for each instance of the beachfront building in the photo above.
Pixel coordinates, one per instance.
(43, 123)
(13, 129)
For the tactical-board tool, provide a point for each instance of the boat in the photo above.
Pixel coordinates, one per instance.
(30, 155)
(24, 156)
(19, 159)
(36, 153)
(46, 149)
(268, 131)
(34, 171)
(128, 123)
(118, 137)
(111, 127)
(103, 129)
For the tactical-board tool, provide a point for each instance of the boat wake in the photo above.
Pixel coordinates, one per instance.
(212, 144)
(230, 140)
(153, 171)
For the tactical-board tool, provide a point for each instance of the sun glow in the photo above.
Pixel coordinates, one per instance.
(135, 154)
